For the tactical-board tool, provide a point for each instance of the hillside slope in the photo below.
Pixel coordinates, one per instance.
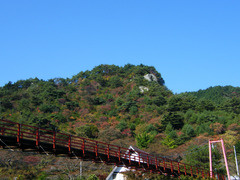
(125, 106)
(217, 94)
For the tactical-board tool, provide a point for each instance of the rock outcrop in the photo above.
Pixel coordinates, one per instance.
(150, 77)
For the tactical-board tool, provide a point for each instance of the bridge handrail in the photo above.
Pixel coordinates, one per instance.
(73, 141)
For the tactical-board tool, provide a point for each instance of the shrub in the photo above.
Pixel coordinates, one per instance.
(176, 119)
(199, 156)
(151, 129)
(168, 141)
(238, 147)
(122, 125)
(173, 134)
(144, 139)
(92, 177)
(48, 108)
(89, 131)
(115, 82)
(217, 128)
(159, 100)
(204, 128)
(109, 134)
(169, 128)
(72, 105)
(188, 130)
(133, 110)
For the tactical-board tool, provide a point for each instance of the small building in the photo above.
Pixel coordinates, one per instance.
(235, 178)
(118, 171)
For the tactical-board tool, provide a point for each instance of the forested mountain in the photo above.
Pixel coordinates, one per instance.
(127, 105)
(217, 94)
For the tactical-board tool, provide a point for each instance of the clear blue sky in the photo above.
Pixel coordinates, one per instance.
(194, 44)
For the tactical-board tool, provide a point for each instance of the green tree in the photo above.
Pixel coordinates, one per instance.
(188, 130)
(122, 125)
(159, 100)
(199, 156)
(48, 108)
(169, 128)
(173, 135)
(204, 105)
(151, 129)
(125, 107)
(101, 80)
(144, 139)
(92, 177)
(6, 104)
(36, 100)
(24, 105)
(170, 142)
(115, 82)
(90, 131)
(233, 105)
(98, 100)
(176, 119)
(204, 128)
(181, 103)
(134, 94)
(237, 146)
(133, 110)
(71, 105)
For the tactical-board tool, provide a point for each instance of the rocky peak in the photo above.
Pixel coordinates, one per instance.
(150, 77)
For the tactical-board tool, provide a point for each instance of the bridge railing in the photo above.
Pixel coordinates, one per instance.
(41, 135)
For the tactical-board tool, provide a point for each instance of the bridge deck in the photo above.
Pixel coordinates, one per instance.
(39, 139)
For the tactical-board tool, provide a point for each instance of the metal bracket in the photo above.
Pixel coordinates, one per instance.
(43, 150)
(6, 145)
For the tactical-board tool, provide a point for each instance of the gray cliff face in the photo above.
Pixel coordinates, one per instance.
(143, 89)
(150, 77)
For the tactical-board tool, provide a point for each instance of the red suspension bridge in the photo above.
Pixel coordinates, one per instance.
(28, 137)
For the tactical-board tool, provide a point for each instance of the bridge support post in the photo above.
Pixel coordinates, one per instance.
(2, 131)
(83, 147)
(119, 154)
(19, 134)
(178, 168)
(139, 162)
(185, 169)
(156, 163)
(37, 137)
(108, 152)
(129, 157)
(147, 161)
(164, 166)
(69, 144)
(96, 149)
(54, 141)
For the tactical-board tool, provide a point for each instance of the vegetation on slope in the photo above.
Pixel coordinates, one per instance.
(217, 94)
(118, 105)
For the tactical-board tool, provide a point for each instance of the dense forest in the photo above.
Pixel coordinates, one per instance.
(129, 105)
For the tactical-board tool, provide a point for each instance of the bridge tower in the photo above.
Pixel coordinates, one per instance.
(224, 154)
